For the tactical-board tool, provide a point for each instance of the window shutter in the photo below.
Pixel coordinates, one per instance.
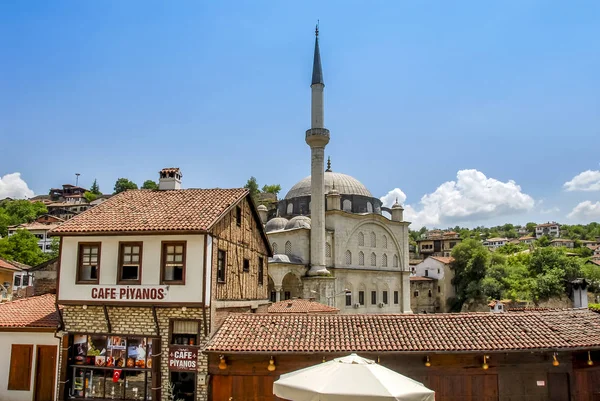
(19, 376)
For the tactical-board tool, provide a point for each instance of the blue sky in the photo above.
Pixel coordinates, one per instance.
(418, 94)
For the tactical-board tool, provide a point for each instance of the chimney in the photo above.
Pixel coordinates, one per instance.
(170, 178)
(580, 298)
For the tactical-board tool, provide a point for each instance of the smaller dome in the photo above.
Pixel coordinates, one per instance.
(262, 208)
(298, 222)
(276, 223)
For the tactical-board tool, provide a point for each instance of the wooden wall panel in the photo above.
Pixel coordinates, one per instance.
(239, 243)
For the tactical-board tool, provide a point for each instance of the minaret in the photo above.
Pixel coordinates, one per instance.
(317, 137)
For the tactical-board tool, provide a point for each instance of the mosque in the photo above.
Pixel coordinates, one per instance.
(330, 240)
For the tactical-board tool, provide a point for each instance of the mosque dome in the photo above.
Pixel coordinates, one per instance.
(298, 222)
(262, 208)
(343, 183)
(276, 223)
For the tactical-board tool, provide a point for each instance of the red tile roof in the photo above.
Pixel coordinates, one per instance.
(459, 332)
(155, 210)
(301, 306)
(5, 264)
(419, 278)
(37, 311)
(594, 261)
(444, 259)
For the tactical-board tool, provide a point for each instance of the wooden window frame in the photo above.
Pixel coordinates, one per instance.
(80, 245)
(163, 262)
(224, 279)
(238, 216)
(172, 324)
(261, 270)
(120, 265)
(15, 350)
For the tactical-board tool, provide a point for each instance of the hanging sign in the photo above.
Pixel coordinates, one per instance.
(183, 359)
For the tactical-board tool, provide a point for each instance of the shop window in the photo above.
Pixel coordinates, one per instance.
(130, 263)
(385, 297)
(173, 262)
(261, 270)
(112, 367)
(19, 375)
(221, 264)
(373, 297)
(88, 269)
(361, 297)
(184, 332)
(396, 297)
(246, 265)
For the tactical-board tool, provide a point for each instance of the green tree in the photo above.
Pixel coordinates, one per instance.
(271, 189)
(53, 249)
(17, 212)
(90, 196)
(22, 247)
(123, 184)
(543, 241)
(95, 189)
(470, 263)
(252, 186)
(509, 249)
(531, 227)
(149, 184)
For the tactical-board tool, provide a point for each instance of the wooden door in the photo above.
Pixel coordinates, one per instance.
(45, 373)
(558, 387)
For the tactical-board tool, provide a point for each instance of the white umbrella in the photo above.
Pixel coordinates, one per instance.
(349, 378)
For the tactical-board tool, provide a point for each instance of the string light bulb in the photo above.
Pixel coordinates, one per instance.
(222, 362)
(427, 362)
(323, 359)
(589, 361)
(485, 365)
(554, 360)
(271, 366)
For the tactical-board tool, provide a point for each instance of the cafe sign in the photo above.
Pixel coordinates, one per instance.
(129, 293)
(183, 359)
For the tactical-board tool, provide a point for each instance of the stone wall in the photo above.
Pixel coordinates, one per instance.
(140, 321)
(424, 296)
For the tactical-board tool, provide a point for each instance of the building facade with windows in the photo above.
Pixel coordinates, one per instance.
(39, 230)
(144, 278)
(438, 243)
(439, 269)
(330, 237)
(551, 229)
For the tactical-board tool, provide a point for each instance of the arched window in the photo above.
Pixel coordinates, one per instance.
(288, 248)
(384, 241)
(361, 239)
(274, 246)
(348, 257)
(290, 208)
(373, 240)
(373, 259)
(369, 207)
(347, 205)
(361, 258)
(395, 261)
(384, 260)
(327, 250)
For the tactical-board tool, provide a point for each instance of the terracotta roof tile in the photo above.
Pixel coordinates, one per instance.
(155, 210)
(444, 259)
(37, 311)
(5, 264)
(460, 332)
(301, 306)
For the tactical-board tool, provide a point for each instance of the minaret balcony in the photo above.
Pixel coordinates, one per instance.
(317, 136)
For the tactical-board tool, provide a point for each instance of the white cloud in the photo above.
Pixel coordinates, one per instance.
(552, 210)
(587, 181)
(472, 197)
(585, 211)
(389, 199)
(13, 186)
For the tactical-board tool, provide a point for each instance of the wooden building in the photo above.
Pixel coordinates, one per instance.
(521, 356)
(144, 278)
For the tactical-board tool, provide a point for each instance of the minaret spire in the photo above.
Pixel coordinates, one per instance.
(317, 75)
(317, 137)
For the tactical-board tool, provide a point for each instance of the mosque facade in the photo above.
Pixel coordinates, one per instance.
(331, 242)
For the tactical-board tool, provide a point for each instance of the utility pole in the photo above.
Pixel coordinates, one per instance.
(77, 179)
